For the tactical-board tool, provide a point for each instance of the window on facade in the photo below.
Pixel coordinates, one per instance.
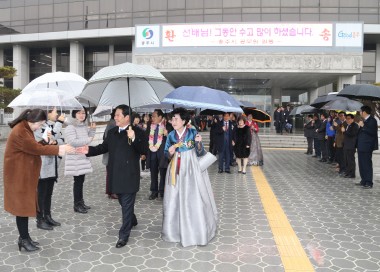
(8, 61)
(40, 62)
(63, 59)
(96, 58)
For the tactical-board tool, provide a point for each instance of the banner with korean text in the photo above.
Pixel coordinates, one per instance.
(260, 34)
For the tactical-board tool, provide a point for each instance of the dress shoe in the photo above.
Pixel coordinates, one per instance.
(134, 221)
(322, 160)
(79, 208)
(367, 186)
(153, 196)
(162, 196)
(220, 171)
(51, 221)
(42, 224)
(84, 205)
(27, 245)
(349, 176)
(228, 171)
(120, 243)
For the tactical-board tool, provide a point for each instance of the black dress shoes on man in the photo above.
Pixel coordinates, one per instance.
(228, 171)
(120, 243)
(367, 186)
(220, 171)
(153, 196)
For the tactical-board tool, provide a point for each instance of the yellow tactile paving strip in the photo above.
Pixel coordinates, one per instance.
(292, 254)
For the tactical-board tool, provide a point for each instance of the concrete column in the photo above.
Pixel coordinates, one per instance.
(111, 55)
(21, 64)
(313, 94)
(343, 80)
(77, 58)
(133, 52)
(276, 93)
(377, 63)
(54, 59)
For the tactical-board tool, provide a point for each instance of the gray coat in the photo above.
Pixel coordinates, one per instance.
(78, 134)
(49, 167)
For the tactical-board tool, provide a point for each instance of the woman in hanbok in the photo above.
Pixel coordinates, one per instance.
(241, 143)
(189, 210)
(256, 154)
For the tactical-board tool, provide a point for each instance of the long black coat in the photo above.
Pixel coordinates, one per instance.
(242, 138)
(123, 162)
(308, 130)
(322, 130)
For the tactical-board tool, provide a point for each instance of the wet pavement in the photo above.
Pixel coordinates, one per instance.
(336, 222)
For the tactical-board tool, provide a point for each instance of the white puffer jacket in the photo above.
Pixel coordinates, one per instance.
(78, 134)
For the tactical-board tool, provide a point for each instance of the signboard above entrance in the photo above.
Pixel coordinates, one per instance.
(273, 34)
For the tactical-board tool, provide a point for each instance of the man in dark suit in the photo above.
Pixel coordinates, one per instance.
(309, 134)
(321, 132)
(277, 117)
(316, 123)
(367, 143)
(349, 145)
(124, 145)
(223, 134)
(157, 162)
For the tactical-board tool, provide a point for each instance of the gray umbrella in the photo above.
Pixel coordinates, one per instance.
(299, 110)
(322, 100)
(343, 104)
(361, 91)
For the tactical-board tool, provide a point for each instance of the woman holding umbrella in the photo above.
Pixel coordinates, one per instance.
(189, 209)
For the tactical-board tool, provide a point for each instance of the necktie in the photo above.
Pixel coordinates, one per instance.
(155, 135)
(226, 123)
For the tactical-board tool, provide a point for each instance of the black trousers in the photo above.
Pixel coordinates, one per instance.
(365, 168)
(309, 145)
(330, 148)
(127, 203)
(323, 148)
(340, 159)
(143, 164)
(22, 226)
(45, 192)
(78, 188)
(225, 158)
(155, 170)
(349, 161)
(317, 147)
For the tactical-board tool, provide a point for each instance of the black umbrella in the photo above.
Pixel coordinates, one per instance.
(310, 110)
(343, 104)
(258, 115)
(361, 91)
(322, 100)
(211, 112)
(299, 110)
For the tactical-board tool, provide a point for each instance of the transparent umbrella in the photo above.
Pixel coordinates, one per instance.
(69, 82)
(46, 98)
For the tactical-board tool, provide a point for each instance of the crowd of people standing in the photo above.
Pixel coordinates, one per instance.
(335, 137)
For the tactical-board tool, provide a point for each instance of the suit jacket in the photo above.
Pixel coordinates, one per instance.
(367, 137)
(317, 124)
(219, 136)
(308, 130)
(124, 159)
(350, 136)
(163, 161)
(322, 130)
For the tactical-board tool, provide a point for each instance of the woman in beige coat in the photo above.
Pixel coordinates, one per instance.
(22, 165)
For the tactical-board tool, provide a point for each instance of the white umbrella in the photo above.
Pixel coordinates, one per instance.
(126, 83)
(46, 98)
(65, 81)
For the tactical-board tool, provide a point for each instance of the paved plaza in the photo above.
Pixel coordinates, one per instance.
(336, 222)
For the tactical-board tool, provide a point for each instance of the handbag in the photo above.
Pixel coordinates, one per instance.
(206, 160)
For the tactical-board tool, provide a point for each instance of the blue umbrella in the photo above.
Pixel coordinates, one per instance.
(203, 98)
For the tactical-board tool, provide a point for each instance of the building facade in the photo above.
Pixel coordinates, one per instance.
(39, 36)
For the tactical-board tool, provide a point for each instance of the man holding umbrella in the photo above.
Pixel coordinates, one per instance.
(366, 144)
(124, 145)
